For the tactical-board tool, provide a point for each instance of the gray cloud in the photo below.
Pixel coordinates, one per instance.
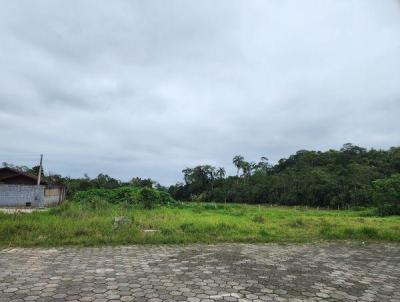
(146, 88)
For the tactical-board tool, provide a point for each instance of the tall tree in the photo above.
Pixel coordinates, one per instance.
(220, 173)
(238, 161)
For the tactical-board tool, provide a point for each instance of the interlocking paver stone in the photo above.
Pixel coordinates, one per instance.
(224, 272)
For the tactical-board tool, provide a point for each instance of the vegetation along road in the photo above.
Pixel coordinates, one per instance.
(91, 222)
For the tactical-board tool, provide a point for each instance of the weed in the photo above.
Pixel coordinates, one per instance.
(223, 226)
(259, 218)
(82, 232)
(369, 232)
(210, 206)
(188, 227)
(328, 231)
(349, 232)
(166, 231)
(297, 223)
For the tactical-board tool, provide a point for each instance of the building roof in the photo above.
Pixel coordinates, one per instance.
(14, 173)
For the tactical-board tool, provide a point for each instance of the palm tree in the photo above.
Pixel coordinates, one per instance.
(263, 165)
(238, 162)
(247, 168)
(220, 173)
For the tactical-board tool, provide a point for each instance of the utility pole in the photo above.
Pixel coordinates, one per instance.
(40, 170)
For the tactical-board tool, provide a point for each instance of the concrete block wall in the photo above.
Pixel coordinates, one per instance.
(19, 195)
(50, 200)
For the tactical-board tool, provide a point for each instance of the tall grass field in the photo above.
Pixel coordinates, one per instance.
(75, 223)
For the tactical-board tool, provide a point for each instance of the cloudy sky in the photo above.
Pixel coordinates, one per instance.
(147, 88)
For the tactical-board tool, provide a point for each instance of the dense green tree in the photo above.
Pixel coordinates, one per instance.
(142, 183)
(386, 194)
(351, 176)
(335, 178)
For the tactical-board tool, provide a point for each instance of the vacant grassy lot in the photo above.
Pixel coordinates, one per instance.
(85, 224)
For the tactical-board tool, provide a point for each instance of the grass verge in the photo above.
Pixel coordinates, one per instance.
(82, 224)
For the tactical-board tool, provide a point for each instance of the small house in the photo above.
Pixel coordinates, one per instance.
(21, 189)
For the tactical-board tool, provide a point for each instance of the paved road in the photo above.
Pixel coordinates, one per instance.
(226, 272)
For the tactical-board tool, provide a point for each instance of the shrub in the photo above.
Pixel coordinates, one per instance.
(388, 209)
(165, 198)
(127, 195)
(148, 198)
(386, 194)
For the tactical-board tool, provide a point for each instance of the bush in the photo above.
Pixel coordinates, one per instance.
(165, 198)
(146, 197)
(388, 210)
(386, 195)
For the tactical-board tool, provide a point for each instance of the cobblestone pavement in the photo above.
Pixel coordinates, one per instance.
(224, 272)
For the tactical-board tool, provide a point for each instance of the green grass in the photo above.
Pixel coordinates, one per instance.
(83, 224)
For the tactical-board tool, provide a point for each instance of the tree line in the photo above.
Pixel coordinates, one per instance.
(350, 177)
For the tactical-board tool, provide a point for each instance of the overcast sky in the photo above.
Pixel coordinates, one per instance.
(147, 88)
